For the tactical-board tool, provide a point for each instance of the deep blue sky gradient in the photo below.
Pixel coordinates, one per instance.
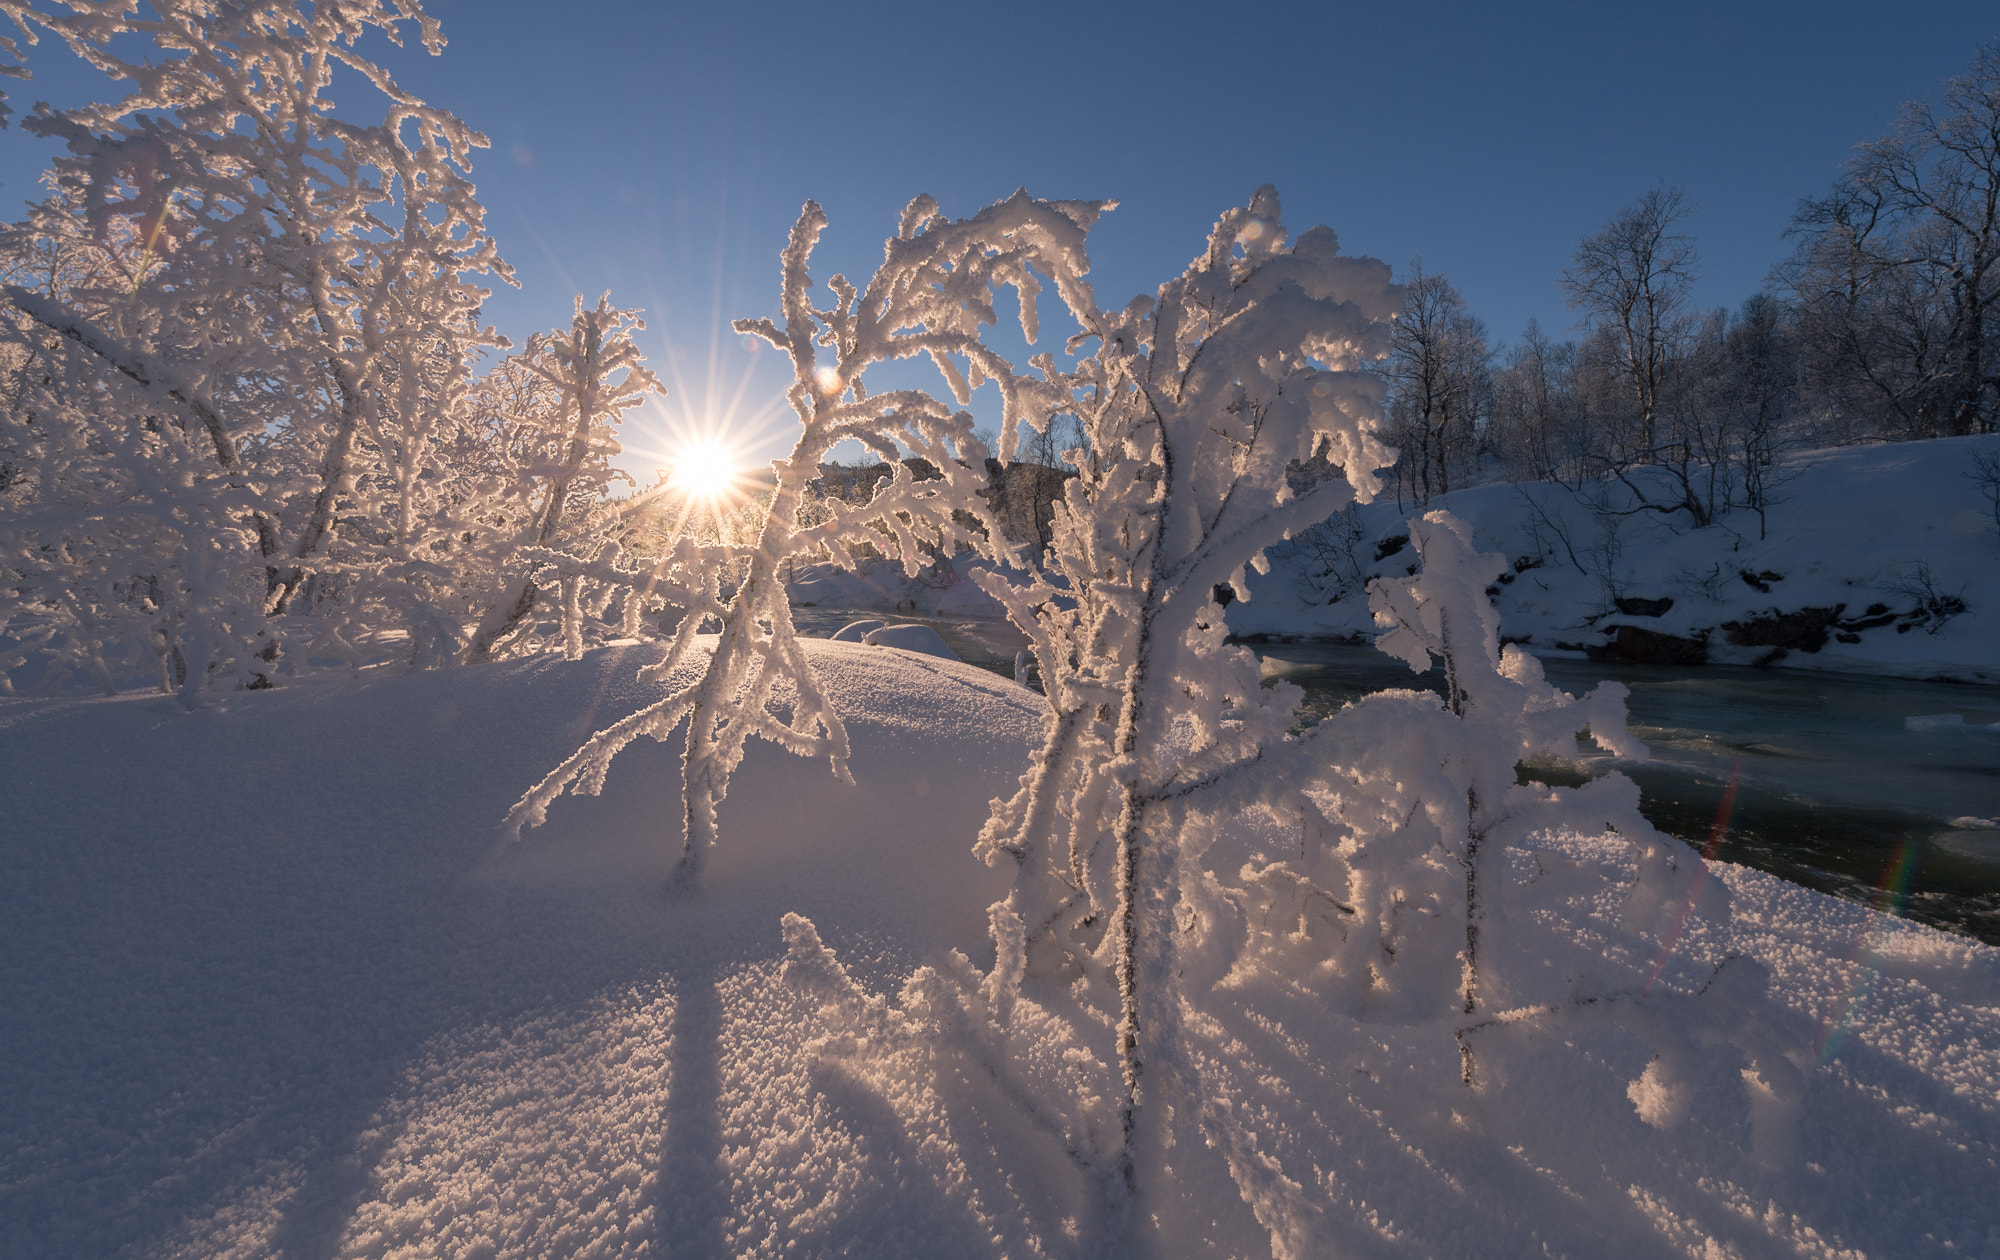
(662, 150)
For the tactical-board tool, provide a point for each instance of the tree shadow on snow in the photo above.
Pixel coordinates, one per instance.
(692, 1203)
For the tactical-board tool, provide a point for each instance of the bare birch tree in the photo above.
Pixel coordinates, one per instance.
(1633, 279)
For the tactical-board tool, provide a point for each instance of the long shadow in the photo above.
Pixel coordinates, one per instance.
(692, 1204)
(893, 1209)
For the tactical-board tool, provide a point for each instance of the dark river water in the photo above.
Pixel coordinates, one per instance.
(1838, 789)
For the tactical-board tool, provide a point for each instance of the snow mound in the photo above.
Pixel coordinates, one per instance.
(943, 591)
(276, 985)
(912, 638)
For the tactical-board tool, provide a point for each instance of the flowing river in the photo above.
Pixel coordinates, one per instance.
(1880, 790)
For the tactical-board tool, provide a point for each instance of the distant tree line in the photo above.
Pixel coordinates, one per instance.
(1883, 323)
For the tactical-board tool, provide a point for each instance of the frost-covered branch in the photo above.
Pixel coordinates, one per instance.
(932, 293)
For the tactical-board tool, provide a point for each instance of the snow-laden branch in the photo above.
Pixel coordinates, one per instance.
(930, 297)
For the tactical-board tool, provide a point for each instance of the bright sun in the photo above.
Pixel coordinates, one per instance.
(706, 471)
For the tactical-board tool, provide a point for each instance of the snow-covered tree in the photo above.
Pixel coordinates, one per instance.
(571, 391)
(242, 432)
(1897, 271)
(1632, 280)
(1440, 371)
(276, 332)
(1175, 835)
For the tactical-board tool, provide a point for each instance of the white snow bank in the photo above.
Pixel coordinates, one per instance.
(1860, 529)
(911, 638)
(274, 985)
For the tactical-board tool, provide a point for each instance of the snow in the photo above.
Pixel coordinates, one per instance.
(911, 638)
(288, 989)
(884, 586)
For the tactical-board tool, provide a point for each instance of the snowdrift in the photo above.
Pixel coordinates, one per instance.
(276, 985)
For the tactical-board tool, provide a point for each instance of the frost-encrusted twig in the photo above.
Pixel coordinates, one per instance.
(596, 376)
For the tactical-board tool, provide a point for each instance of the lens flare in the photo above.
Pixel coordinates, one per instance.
(1862, 958)
(1700, 877)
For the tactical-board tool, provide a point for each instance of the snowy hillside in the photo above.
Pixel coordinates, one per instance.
(1838, 582)
(275, 984)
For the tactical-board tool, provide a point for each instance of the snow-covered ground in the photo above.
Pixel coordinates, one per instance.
(273, 984)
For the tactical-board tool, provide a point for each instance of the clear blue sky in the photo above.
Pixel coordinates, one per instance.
(662, 150)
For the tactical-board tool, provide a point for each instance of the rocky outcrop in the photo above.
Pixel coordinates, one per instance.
(1801, 630)
(1636, 645)
(1779, 633)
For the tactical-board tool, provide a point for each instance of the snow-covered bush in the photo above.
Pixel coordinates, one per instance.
(249, 329)
(558, 465)
(240, 431)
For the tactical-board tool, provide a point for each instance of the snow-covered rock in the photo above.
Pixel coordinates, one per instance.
(883, 585)
(911, 638)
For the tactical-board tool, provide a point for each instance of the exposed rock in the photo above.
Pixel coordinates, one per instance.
(1633, 606)
(1386, 547)
(1636, 645)
(1804, 630)
(1761, 581)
